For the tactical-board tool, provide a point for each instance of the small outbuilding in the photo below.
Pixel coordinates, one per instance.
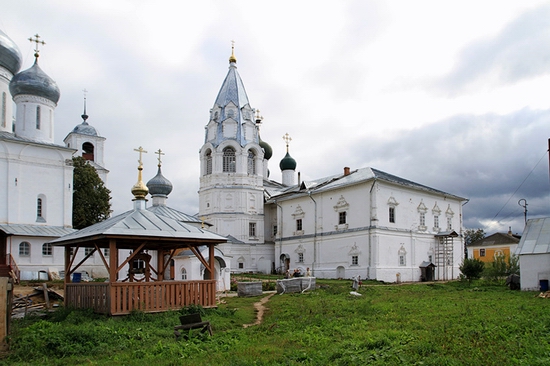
(534, 255)
(427, 271)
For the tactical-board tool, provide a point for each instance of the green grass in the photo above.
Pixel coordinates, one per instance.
(417, 324)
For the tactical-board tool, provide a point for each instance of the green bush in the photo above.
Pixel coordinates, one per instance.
(472, 269)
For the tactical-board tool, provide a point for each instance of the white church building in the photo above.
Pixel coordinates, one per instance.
(36, 174)
(361, 222)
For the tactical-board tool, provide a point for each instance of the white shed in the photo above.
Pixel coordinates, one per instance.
(534, 255)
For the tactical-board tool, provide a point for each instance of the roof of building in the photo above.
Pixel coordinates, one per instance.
(35, 230)
(8, 136)
(10, 56)
(536, 237)
(85, 129)
(496, 239)
(142, 224)
(172, 213)
(354, 177)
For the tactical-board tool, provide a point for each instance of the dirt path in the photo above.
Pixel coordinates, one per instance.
(260, 309)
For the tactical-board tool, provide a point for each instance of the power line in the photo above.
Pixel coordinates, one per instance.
(517, 189)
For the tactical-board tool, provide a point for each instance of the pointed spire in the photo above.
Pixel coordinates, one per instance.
(84, 116)
(232, 58)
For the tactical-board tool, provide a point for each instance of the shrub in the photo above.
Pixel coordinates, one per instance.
(471, 269)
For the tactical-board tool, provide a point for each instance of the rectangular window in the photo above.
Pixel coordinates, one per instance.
(4, 109)
(209, 163)
(436, 221)
(39, 207)
(47, 249)
(482, 252)
(241, 265)
(106, 252)
(341, 218)
(274, 230)
(24, 249)
(299, 225)
(402, 260)
(37, 117)
(88, 250)
(392, 214)
(422, 219)
(449, 223)
(252, 229)
(354, 260)
(301, 257)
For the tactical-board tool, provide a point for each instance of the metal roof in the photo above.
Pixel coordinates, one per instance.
(536, 237)
(354, 177)
(140, 225)
(174, 214)
(35, 230)
(12, 137)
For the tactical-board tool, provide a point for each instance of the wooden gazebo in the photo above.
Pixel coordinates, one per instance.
(135, 282)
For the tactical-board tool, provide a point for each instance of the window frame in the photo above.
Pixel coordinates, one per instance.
(252, 230)
(391, 214)
(354, 260)
(27, 249)
(342, 217)
(229, 160)
(299, 225)
(47, 250)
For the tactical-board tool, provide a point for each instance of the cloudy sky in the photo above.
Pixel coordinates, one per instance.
(451, 94)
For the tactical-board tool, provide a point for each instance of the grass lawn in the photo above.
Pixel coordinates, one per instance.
(411, 324)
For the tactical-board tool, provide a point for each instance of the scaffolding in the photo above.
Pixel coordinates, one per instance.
(444, 259)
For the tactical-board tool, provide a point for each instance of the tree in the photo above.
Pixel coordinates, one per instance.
(470, 236)
(471, 269)
(91, 199)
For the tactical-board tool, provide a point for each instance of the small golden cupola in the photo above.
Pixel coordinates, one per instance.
(140, 190)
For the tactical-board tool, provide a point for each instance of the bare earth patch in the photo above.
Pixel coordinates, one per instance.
(260, 309)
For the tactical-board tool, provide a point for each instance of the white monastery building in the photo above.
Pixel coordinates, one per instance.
(36, 175)
(361, 222)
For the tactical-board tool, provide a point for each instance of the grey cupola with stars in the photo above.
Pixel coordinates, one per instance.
(159, 186)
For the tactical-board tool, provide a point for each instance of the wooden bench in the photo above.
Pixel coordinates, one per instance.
(192, 321)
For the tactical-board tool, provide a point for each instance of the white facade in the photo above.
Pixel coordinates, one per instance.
(343, 229)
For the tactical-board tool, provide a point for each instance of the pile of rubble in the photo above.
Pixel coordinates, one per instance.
(35, 299)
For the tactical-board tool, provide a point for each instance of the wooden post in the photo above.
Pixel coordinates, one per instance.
(5, 310)
(113, 274)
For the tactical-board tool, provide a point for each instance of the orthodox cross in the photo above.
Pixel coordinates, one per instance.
(259, 118)
(287, 139)
(232, 58)
(141, 151)
(159, 153)
(37, 41)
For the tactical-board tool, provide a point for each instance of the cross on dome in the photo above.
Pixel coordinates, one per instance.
(37, 41)
(159, 153)
(141, 151)
(287, 140)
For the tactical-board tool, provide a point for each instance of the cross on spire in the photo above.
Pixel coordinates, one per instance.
(232, 58)
(287, 139)
(141, 151)
(36, 40)
(159, 153)
(84, 116)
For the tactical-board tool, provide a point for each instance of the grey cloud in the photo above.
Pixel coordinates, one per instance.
(520, 51)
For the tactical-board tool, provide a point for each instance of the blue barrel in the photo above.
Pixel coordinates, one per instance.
(78, 276)
(543, 285)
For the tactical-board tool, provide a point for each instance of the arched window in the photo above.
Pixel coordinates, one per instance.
(24, 249)
(183, 274)
(251, 162)
(229, 161)
(208, 162)
(88, 151)
(37, 117)
(47, 249)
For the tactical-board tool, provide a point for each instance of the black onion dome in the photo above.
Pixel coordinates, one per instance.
(268, 151)
(159, 185)
(10, 56)
(287, 163)
(36, 82)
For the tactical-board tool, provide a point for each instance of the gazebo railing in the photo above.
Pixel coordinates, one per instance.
(120, 298)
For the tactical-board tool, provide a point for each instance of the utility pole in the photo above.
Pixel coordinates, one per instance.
(524, 205)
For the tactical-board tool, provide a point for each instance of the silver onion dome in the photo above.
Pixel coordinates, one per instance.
(159, 185)
(36, 82)
(10, 56)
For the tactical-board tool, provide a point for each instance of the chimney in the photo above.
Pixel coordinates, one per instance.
(299, 182)
(510, 230)
(346, 170)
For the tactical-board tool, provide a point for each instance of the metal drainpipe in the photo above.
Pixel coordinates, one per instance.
(314, 236)
(370, 228)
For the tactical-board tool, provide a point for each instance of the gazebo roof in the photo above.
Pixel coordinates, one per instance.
(132, 228)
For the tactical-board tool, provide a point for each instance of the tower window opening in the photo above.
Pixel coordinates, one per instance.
(4, 109)
(392, 214)
(251, 162)
(229, 160)
(39, 207)
(209, 162)
(88, 151)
